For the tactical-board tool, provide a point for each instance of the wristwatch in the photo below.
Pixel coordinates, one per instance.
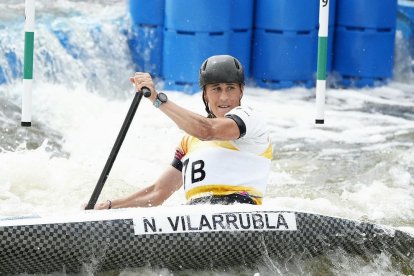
(161, 98)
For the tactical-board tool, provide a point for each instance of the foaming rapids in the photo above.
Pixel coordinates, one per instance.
(359, 165)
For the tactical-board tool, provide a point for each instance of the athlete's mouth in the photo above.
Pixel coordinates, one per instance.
(223, 106)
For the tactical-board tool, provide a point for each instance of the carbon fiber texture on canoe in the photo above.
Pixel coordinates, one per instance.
(113, 244)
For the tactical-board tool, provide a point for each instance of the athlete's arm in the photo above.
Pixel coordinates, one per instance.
(192, 123)
(199, 126)
(154, 195)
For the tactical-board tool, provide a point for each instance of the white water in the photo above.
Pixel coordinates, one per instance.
(359, 165)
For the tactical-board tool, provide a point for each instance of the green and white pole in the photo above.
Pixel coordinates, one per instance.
(28, 63)
(322, 58)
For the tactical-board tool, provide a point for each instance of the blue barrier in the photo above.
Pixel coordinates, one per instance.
(145, 44)
(183, 54)
(241, 14)
(285, 43)
(198, 15)
(330, 58)
(240, 47)
(147, 12)
(241, 32)
(366, 13)
(364, 41)
(145, 38)
(285, 39)
(364, 58)
(284, 59)
(287, 15)
(332, 12)
(194, 30)
(198, 29)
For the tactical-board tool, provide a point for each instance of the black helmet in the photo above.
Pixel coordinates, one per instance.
(223, 68)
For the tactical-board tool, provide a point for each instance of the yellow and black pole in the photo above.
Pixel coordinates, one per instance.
(322, 60)
(28, 63)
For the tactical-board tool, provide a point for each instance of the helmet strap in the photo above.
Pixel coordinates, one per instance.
(209, 113)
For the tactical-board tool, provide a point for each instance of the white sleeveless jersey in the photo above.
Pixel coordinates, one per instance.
(226, 167)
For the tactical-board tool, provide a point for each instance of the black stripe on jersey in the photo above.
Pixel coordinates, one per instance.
(176, 163)
(239, 122)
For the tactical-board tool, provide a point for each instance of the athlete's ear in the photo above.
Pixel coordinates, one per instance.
(205, 96)
(242, 89)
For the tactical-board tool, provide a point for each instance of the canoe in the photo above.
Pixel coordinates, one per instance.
(181, 237)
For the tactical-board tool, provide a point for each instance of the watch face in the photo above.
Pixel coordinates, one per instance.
(162, 97)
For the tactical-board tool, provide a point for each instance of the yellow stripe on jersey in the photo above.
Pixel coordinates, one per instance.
(222, 190)
(194, 144)
(225, 144)
(185, 142)
(268, 153)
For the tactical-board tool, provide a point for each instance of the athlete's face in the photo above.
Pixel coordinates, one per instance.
(223, 97)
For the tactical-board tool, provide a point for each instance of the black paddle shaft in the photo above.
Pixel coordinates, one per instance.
(115, 149)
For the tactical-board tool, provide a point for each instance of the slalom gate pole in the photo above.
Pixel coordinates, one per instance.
(322, 58)
(26, 120)
(115, 149)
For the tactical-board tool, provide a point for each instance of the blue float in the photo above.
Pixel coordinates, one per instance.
(198, 15)
(240, 47)
(364, 58)
(287, 15)
(197, 29)
(183, 54)
(284, 59)
(285, 43)
(364, 41)
(145, 38)
(330, 58)
(147, 12)
(366, 13)
(242, 12)
(145, 44)
(241, 32)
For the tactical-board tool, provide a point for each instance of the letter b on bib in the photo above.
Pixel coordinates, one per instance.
(197, 172)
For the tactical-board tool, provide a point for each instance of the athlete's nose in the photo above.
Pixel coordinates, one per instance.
(223, 96)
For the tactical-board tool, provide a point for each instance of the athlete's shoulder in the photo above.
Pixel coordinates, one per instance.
(253, 121)
(243, 109)
(247, 113)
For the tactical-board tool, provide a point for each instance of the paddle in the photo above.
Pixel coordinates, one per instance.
(118, 143)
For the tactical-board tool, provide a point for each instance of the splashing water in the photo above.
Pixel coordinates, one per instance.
(359, 165)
